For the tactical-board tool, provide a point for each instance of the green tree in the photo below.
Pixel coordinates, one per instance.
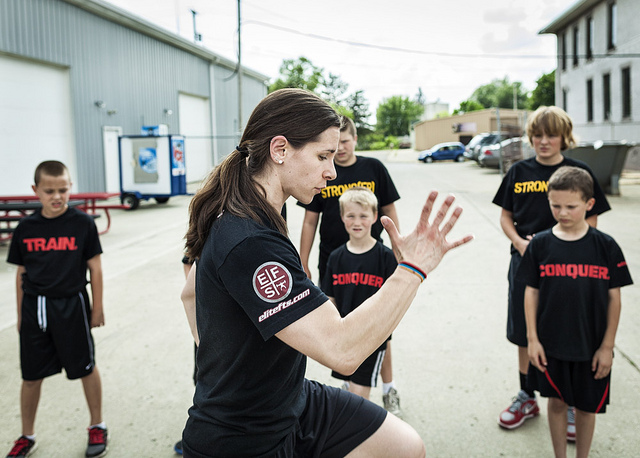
(333, 88)
(298, 73)
(359, 107)
(467, 106)
(396, 114)
(500, 93)
(545, 91)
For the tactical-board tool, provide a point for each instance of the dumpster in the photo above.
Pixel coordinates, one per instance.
(151, 167)
(606, 159)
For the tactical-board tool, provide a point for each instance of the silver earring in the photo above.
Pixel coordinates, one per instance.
(280, 161)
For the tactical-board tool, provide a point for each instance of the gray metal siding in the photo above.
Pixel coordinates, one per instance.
(135, 75)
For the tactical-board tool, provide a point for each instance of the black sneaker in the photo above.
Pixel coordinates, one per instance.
(22, 447)
(178, 447)
(98, 438)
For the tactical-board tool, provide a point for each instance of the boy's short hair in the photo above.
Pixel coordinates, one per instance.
(348, 125)
(569, 178)
(359, 195)
(552, 121)
(51, 168)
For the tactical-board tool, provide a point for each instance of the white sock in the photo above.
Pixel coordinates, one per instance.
(387, 386)
(101, 425)
(31, 437)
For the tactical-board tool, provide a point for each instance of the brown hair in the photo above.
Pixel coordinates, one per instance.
(551, 121)
(51, 168)
(348, 125)
(361, 196)
(570, 178)
(296, 114)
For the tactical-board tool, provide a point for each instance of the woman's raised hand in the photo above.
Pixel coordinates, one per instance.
(427, 244)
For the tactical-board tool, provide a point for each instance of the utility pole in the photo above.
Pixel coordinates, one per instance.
(240, 121)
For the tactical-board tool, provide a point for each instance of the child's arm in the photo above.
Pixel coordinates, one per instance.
(534, 348)
(592, 220)
(308, 233)
(188, 298)
(95, 275)
(603, 358)
(19, 293)
(333, 299)
(509, 229)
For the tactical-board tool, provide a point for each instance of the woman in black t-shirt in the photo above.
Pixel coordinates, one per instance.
(259, 316)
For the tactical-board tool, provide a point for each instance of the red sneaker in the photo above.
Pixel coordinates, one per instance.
(23, 447)
(98, 438)
(522, 408)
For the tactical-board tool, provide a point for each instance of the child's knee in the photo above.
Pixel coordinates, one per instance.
(557, 405)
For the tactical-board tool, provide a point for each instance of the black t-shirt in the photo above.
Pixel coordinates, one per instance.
(353, 278)
(54, 252)
(574, 279)
(250, 285)
(523, 192)
(368, 172)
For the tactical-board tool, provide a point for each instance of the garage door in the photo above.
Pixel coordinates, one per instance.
(35, 121)
(195, 125)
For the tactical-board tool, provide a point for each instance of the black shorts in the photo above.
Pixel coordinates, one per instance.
(333, 423)
(516, 324)
(367, 373)
(55, 333)
(573, 383)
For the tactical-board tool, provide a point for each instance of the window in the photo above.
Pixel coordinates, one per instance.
(590, 34)
(575, 46)
(606, 96)
(563, 50)
(564, 99)
(589, 100)
(626, 92)
(612, 25)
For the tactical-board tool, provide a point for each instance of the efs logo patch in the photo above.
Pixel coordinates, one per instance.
(272, 281)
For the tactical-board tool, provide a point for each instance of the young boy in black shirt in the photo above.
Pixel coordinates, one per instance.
(355, 271)
(53, 249)
(525, 212)
(573, 274)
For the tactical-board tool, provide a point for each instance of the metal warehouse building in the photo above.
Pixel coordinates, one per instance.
(76, 74)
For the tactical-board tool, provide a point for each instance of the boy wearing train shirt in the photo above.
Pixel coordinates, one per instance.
(355, 271)
(525, 212)
(53, 249)
(573, 274)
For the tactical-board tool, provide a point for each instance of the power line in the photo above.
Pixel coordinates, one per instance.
(435, 53)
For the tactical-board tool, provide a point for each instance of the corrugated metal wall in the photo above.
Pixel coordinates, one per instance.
(137, 77)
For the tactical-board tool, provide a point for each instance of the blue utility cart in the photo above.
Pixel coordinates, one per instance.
(151, 166)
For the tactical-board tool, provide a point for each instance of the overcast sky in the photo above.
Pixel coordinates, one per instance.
(386, 48)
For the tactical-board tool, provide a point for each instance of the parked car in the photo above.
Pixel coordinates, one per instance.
(443, 152)
(473, 148)
(511, 153)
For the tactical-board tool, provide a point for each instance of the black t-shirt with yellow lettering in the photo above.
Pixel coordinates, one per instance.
(368, 172)
(524, 193)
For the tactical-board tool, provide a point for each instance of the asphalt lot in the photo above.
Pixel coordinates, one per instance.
(454, 368)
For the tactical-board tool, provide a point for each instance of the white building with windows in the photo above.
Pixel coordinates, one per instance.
(598, 74)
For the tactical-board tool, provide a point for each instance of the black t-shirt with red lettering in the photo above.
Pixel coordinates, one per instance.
(523, 192)
(368, 172)
(54, 252)
(573, 279)
(250, 285)
(353, 278)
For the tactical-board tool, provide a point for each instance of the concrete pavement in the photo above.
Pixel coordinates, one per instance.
(454, 368)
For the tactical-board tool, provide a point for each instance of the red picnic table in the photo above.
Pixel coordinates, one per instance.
(14, 208)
